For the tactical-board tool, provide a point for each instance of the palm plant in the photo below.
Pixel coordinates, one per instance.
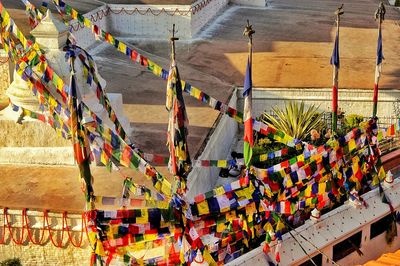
(295, 119)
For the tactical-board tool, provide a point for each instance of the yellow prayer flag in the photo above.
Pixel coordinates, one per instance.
(375, 180)
(268, 227)
(289, 182)
(157, 186)
(207, 257)
(92, 237)
(221, 163)
(219, 191)
(166, 187)
(150, 237)
(381, 173)
(162, 204)
(195, 92)
(309, 202)
(307, 192)
(352, 144)
(86, 22)
(221, 227)
(321, 187)
(144, 218)
(99, 248)
(157, 70)
(279, 226)
(203, 207)
(241, 193)
(263, 157)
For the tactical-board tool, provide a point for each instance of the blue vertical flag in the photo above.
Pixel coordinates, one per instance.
(378, 70)
(335, 54)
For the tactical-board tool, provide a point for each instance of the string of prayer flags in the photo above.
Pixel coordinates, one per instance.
(131, 203)
(129, 157)
(157, 70)
(35, 15)
(92, 79)
(54, 121)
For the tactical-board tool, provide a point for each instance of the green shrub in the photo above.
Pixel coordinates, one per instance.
(11, 262)
(295, 119)
(352, 120)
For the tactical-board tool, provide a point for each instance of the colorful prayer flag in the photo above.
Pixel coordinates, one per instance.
(179, 163)
(247, 116)
(335, 61)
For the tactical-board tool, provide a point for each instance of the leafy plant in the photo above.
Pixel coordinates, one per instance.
(352, 120)
(295, 119)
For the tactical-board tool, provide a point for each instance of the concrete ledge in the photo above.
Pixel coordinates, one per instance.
(260, 3)
(391, 160)
(37, 155)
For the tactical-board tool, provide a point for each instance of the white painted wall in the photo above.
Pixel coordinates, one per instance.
(202, 17)
(356, 101)
(147, 21)
(203, 179)
(155, 21)
(260, 3)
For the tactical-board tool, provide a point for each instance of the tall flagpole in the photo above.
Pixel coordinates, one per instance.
(247, 94)
(379, 14)
(336, 65)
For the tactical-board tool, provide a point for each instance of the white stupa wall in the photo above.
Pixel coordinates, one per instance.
(351, 101)
(202, 15)
(153, 21)
(256, 3)
(204, 179)
(149, 21)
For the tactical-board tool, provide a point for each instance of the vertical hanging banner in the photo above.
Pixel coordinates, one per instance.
(336, 65)
(379, 14)
(248, 121)
(179, 162)
(247, 94)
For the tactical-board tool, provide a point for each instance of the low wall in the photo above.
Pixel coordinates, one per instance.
(44, 253)
(260, 3)
(204, 12)
(203, 179)
(146, 21)
(84, 36)
(150, 21)
(356, 101)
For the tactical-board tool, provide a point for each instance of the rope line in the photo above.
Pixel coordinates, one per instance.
(65, 230)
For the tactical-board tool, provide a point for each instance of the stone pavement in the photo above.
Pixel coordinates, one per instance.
(292, 44)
